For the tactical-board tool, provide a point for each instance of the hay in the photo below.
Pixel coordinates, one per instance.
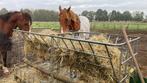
(48, 32)
(29, 75)
(9, 79)
(38, 45)
(89, 69)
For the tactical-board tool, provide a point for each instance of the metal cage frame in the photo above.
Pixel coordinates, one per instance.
(118, 41)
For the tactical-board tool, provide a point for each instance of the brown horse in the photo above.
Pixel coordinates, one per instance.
(69, 21)
(8, 22)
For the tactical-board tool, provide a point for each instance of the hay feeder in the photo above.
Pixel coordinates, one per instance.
(103, 58)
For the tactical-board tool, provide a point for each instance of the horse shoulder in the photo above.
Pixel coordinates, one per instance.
(1, 24)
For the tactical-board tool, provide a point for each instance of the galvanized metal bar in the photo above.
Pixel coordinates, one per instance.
(35, 36)
(56, 42)
(64, 43)
(94, 42)
(42, 39)
(123, 79)
(109, 37)
(116, 40)
(81, 46)
(109, 55)
(24, 35)
(102, 43)
(72, 45)
(29, 37)
(83, 52)
(128, 59)
(91, 48)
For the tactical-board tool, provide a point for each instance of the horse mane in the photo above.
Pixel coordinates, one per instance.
(74, 16)
(7, 16)
(75, 20)
(27, 16)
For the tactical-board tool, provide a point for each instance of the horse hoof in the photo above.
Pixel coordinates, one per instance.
(6, 71)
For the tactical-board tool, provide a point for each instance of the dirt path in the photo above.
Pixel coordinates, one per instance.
(142, 56)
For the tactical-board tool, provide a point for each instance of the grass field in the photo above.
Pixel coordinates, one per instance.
(50, 25)
(97, 25)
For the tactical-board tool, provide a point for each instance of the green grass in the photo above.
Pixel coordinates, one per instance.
(119, 25)
(97, 25)
(50, 25)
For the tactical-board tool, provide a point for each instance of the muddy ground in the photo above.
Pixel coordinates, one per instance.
(142, 56)
(142, 51)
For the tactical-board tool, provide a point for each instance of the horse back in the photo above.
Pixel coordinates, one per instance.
(85, 24)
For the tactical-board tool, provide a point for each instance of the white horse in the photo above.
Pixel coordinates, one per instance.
(84, 26)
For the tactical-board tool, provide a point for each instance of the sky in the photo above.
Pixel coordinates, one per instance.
(77, 5)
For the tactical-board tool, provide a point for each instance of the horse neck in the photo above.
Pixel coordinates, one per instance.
(8, 25)
(8, 29)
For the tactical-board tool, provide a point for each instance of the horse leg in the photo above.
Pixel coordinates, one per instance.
(4, 62)
(4, 56)
(1, 60)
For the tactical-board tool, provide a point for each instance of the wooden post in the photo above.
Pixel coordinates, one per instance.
(132, 54)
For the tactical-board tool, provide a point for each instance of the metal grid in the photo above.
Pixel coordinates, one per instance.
(53, 41)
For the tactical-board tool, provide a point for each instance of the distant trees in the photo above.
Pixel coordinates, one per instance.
(27, 11)
(38, 14)
(44, 15)
(103, 15)
(138, 16)
(3, 11)
(118, 16)
(113, 16)
(99, 15)
(145, 18)
(126, 16)
(89, 14)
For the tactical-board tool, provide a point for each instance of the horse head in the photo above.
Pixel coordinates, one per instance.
(24, 21)
(69, 21)
(12, 20)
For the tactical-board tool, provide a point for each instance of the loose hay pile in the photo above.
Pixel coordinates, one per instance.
(37, 46)
(79, 66)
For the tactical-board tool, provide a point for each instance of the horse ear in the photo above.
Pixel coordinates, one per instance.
(60, 8)
(69, 8)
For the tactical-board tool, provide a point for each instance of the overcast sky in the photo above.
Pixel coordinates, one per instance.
(77, 5)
